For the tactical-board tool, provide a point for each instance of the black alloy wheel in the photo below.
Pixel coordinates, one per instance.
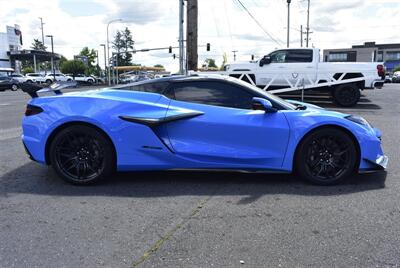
(326, 156)
(82, 155)
(346, 95)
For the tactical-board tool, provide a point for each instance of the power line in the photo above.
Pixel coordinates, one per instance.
(259, 24)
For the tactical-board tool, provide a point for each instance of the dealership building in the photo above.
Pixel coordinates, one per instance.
(368, 52)
(12, 54)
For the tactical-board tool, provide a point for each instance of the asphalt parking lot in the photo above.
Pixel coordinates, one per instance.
(186, 219)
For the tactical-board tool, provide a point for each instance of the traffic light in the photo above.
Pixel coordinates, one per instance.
(252, 57)
(208, 46)
(170, 49)
(174, 56)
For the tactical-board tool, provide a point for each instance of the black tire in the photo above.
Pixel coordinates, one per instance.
(82, 155)
(48, 81)
(29, 81)
(90, 81)
(326, 156)
(69, 80)
(346, 95)
(14, 87)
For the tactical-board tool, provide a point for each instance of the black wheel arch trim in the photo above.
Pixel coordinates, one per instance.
(347, 131)
(74, 123)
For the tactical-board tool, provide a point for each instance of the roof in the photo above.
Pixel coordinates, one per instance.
(179, 78)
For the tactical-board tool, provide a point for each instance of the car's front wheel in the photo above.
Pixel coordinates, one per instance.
(48, 81)
(14, 87)
(82, 155)
(326, 156)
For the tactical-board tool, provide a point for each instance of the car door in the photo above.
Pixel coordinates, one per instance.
(225, 131)
(273, 73)
(300, 66)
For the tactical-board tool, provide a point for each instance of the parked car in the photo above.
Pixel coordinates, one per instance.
(7, 82)
(19, 77)
(195, 122)
(84, 78)
(396, 77)
(49, 78)
(35, 78)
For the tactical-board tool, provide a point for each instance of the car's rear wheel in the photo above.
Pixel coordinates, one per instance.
(82, 155)
(14, 87)
(326, 156)
(48, 81)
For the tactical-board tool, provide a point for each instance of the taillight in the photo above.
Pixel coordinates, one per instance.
(381, 69)
(32, 110)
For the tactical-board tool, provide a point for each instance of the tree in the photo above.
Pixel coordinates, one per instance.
(224, 61)
(91, 55)
(159, 66)
(210, 63)
(27, 70)
(396, 69)
(123, 42)
(38, 45)
(73, 67)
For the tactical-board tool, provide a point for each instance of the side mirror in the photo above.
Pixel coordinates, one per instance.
(265, 60)
(263, 105)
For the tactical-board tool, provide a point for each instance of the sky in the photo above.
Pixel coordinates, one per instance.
(222, 23)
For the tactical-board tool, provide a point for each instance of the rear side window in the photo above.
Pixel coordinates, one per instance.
(301, 55)
(213, 93)
(148, 87)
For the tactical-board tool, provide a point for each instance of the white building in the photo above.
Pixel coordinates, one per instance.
(11, 40)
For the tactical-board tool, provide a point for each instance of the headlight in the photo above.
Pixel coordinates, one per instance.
(359, 120)
(226, 67)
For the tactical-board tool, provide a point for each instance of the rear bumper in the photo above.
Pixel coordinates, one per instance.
(376, 84)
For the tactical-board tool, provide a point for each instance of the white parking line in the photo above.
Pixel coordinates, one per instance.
(10, 133)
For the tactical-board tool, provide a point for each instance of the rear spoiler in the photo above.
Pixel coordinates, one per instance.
(33, 89)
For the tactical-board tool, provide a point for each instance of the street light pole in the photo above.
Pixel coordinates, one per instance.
(52, 56)
(181, 42)
(288, 21)
(105, 61)
(108, 50)
(41, 27)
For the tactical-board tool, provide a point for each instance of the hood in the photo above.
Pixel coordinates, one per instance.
(240, 66)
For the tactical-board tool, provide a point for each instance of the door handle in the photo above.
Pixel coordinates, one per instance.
(309, 67)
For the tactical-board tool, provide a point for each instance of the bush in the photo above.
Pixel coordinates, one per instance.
(73, 67)
(396, 69)
(27, 70)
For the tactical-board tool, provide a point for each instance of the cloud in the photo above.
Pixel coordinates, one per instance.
(335, 6)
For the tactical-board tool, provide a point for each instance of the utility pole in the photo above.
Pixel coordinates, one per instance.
(181, 46)
(234, 54)
(301, 35)
(191, 34)
(288, 22)
(41, 27)
(308, 23)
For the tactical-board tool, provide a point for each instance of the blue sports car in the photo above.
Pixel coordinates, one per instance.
(195, 122)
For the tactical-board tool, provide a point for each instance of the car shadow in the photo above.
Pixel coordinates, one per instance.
(33, 178)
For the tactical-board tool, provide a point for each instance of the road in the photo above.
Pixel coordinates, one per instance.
(186, 219)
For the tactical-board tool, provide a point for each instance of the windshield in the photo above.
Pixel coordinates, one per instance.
(264, 93)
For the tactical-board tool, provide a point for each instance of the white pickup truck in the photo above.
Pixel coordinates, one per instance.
(290, 69)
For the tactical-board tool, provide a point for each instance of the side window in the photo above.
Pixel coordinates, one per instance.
(278, 56)
(148, 87)
(299, 56)
(213, 93)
